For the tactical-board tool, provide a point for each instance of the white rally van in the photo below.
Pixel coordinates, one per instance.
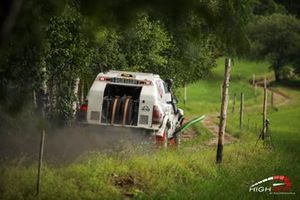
(135, 100)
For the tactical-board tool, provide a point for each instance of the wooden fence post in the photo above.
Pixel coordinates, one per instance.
(241, 110)
(223, 112)
(253, 80)
(265, 104)
(272, 99)
(41, 154)
(233, 104)
(185, 94)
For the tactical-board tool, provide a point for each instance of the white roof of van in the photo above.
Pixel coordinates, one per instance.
(135, 75)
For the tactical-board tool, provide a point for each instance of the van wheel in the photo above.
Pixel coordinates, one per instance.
(162, 141)
(128, 118)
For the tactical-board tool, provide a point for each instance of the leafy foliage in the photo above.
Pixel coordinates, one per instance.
(174, 39)
(276, 38)
(20, 69)
(66, 56)
(147, 46)
(267, 7)
(225, 18)
(195, 52)
(107, 51)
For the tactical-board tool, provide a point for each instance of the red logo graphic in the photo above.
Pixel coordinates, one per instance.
(285, 186)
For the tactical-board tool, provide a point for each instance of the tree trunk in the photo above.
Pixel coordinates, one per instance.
(277, 75)
(223, 113)
(41, 150)
(276, 67)
(76, 90)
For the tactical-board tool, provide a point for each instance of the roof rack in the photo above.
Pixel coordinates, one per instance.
(127, 72)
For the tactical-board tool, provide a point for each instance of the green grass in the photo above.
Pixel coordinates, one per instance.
(205, 95)
(187, 173)
(184, 174)
(244, 68)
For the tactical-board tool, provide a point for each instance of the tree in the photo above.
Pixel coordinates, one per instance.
(267, 7)
(224, 18)
(67, 57)
(20, 59)
(108, 52)
(276, 38)
(56, 40)
(180, 54)
(147, 46)
(195, 52)
(292, 6)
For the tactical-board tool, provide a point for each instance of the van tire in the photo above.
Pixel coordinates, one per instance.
(129, 112)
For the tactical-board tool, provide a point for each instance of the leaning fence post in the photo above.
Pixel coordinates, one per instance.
(264, 109)
(41, 153)
(241, 110)
(223, 112)
(264, 118)
(272, 99)
(185, 94)
(233, 104)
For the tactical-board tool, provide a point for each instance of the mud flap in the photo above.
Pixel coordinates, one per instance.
(162, 128)
(161, 136)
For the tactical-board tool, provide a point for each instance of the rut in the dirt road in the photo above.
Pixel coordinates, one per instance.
(214, 129)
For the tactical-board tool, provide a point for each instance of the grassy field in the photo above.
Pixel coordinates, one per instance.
(187, 173)
(205, 94)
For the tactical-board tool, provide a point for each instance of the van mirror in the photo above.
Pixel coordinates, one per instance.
(169, 83)
(168, 97)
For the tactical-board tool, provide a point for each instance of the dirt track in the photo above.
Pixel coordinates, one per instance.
(213, 127)
(64, 145)
(67, 144)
